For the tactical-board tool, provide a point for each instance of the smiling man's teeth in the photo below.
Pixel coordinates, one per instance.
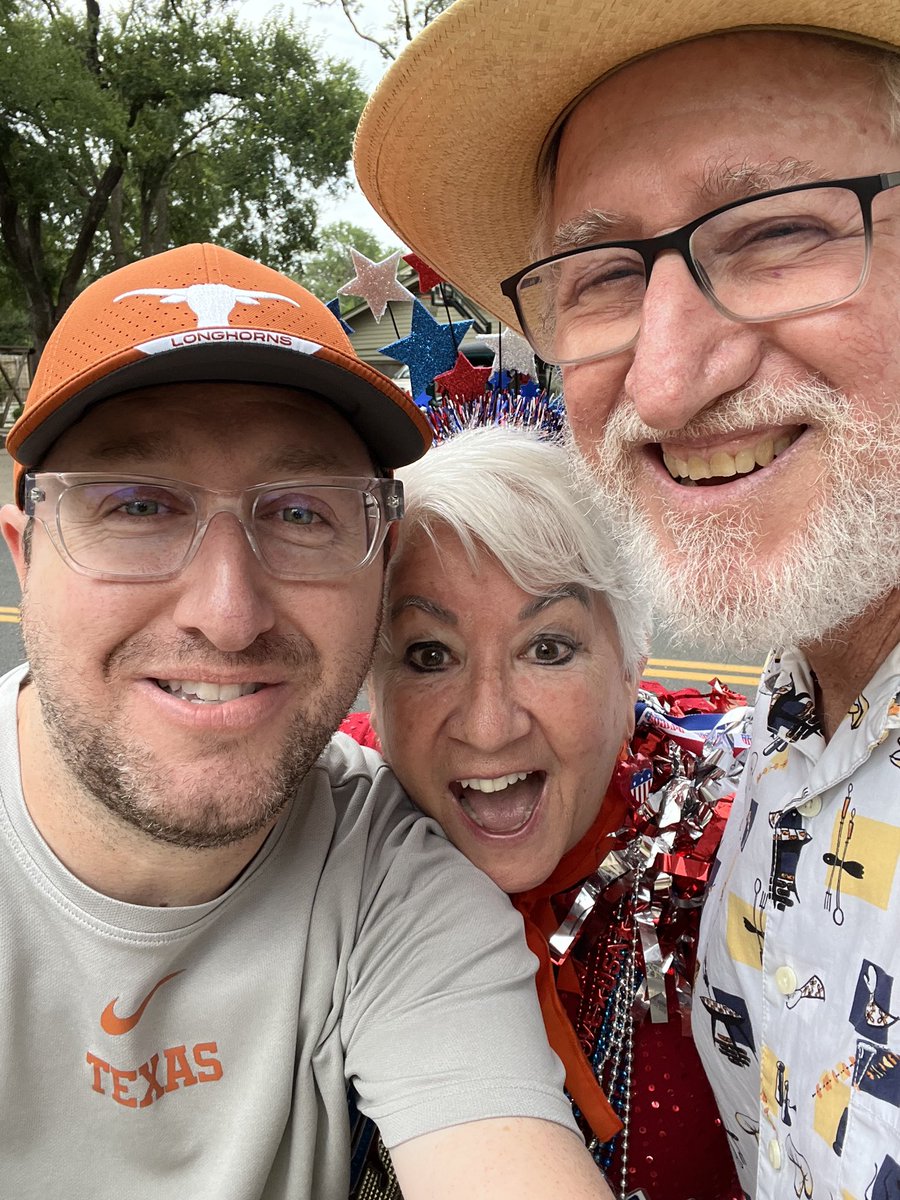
(720, 465)
(198, 692)
(493, 785)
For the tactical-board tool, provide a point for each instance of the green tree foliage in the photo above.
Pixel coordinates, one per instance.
(127, 131)
(330, 267)
(14, 327)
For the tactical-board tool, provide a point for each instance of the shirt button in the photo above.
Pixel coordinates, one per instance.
(811, 807)
(775, 1154)
(786, 982)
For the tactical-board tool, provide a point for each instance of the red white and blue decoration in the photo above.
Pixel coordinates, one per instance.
(465, 381)
(429, 348)
(428, 277)
(453, 392)
(334, 307)
(376, 283)
(511, 353)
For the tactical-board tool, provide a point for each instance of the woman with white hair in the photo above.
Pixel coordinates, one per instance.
(503, 693)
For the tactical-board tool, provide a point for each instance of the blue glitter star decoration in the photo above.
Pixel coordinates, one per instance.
(429, 350)
(334, 307)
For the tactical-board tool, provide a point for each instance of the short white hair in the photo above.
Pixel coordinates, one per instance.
(504, 490)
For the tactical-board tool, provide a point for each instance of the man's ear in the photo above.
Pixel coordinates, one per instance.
(12, 524)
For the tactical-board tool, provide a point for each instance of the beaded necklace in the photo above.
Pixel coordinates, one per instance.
(634, 921)
(614, 1040)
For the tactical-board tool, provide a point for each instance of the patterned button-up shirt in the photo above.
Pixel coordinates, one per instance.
(796, 1010)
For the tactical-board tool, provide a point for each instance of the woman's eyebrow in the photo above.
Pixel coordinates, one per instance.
(424, 605)
(570, 591)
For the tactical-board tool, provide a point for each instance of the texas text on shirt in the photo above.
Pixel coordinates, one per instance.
(206, 1051)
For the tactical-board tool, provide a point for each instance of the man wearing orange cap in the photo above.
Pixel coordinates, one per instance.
(218, 923)
(693, 209)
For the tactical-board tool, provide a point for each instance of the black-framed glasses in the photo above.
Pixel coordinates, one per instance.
(142, 528)
(779, 254)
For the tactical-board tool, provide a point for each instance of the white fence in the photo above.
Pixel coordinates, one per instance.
(15, 379)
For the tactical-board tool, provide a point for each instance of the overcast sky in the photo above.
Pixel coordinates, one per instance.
(339, 41)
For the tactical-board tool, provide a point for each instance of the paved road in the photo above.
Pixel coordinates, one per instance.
(676, 668)
(692, 666)
(11, 651)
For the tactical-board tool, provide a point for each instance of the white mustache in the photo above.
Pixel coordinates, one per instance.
(810, 402)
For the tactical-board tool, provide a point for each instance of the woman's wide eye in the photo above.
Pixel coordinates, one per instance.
(551, 651)
(427, 656)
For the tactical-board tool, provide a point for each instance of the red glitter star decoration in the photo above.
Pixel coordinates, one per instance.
(464, 381)
(428, 278)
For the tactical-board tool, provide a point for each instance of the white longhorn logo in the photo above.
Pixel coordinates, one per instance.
(211, 303)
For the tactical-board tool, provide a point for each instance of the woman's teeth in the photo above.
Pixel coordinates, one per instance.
(720, 465)
(493, 785)
(207, 693)
(502, 805)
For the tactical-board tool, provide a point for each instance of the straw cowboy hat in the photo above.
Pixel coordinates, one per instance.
(449, 144)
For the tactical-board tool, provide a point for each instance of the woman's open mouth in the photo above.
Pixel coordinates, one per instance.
(502, 804)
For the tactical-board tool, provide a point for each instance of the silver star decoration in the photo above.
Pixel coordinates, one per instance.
(511, 352)
(376, 283)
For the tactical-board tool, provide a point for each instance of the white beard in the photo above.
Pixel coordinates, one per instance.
(709, 581)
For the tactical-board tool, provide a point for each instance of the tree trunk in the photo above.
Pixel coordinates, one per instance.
(94, 213)
(23, 241)
(114, 227)
(92, 50)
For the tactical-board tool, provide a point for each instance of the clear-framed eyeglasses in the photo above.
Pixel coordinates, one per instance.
(141, 528)
(779, 254)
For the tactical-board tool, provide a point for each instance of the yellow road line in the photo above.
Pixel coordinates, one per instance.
(741, 668)
(702, 677)
(656, 667)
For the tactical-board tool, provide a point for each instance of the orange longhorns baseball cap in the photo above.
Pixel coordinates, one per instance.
(202, 313)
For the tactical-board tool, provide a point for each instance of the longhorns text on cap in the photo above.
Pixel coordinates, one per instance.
(211, 303)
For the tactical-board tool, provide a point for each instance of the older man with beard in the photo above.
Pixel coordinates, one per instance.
(222, 933)
(694, 210)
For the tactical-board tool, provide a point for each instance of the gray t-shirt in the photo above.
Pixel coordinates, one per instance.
(206, 1052)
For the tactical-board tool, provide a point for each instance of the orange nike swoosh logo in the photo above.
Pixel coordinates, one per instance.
(110, 1023)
